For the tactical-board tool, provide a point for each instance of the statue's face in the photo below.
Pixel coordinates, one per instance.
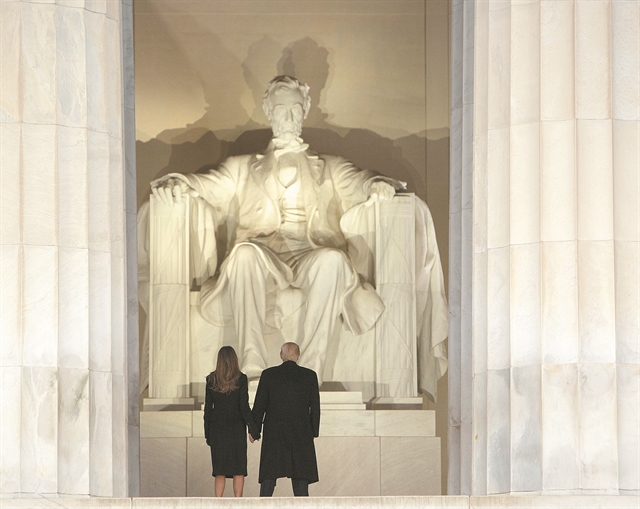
(287, 113)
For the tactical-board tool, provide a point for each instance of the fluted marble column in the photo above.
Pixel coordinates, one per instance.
(68, 424)
(549, 368)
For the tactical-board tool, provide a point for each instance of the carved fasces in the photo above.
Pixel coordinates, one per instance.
(169, 299)
(396, 359)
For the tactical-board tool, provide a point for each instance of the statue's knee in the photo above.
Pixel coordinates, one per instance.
(245, 255)
(332, 260)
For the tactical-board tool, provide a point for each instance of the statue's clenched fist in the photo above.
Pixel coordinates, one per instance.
(381, 191)
(169, 190)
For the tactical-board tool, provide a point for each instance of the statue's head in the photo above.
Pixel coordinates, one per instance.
(286, 104)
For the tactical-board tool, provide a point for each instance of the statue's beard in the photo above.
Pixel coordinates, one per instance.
(287, 129)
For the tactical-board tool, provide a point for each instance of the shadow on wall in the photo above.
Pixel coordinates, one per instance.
(403, 158)
(416, 158)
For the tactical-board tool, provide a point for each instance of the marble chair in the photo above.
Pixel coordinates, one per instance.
(382, 364)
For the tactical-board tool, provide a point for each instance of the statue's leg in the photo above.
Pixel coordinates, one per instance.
(322, 274)
(247, 276)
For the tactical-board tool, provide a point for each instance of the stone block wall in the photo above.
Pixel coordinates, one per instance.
(360, 453)
(545, 254)
(68, 360)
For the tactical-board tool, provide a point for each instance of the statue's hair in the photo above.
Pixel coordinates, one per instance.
(290, 83)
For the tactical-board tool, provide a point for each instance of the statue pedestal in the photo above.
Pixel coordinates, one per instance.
(397, 404)
(375, 439)
(360, 453)
(164, 404)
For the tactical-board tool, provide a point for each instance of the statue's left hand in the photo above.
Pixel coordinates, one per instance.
(381, 191)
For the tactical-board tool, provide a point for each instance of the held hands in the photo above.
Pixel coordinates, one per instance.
(169, 190)
(381, 191)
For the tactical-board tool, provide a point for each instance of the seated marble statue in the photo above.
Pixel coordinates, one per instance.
(281, 211)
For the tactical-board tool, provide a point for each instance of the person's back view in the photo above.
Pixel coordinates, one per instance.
(288, 404)
(226, 417)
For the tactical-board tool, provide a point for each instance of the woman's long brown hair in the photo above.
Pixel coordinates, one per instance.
(225, 377)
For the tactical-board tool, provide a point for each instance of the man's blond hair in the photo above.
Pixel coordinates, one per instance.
(290, 352)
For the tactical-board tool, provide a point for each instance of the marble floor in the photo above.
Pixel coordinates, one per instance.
(453, 502)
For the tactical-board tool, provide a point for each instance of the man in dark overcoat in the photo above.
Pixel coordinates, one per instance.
(287, 403)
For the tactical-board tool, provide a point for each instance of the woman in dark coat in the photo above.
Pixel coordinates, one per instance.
(226, 417)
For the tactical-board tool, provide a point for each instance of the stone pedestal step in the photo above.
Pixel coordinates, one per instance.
(160, 404)
(397, 403)
(347, 400)
(329, 400)
(341, 422)
(342, 406)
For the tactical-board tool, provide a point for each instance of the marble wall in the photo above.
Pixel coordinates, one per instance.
(545, 228)
(68, 355)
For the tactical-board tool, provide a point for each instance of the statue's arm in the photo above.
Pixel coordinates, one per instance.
(355, 185)
(217, 187)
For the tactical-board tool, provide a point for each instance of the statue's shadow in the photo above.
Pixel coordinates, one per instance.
(196, 147)
(365, 148)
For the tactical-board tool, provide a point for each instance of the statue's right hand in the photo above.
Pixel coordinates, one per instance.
(169, 190)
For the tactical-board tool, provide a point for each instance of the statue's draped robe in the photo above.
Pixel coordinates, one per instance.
(235, 204)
